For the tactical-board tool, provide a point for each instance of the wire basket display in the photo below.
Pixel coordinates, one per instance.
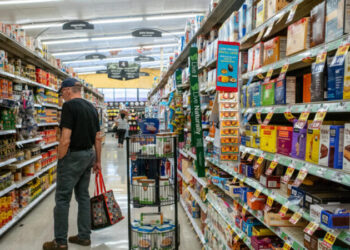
(148, 238)
(151, 146)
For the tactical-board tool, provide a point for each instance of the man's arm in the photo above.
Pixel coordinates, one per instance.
(64, 142)
(98, 147)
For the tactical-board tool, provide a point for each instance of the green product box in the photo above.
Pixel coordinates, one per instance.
(268, 93)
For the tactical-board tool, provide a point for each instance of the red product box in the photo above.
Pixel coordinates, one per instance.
(270, 181)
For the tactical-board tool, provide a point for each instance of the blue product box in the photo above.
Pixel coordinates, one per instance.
(297, 193)
(242, 21)
(247, 226)
(249, 170)
(336, 144)
(244, 96)
(280, 92)
(257, 95)
(335, 82)
(250, 94)
(328, 219)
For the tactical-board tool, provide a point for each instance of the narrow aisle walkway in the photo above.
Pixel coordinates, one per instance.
(37, 226)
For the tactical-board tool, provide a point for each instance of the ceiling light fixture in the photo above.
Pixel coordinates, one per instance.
(107, 38)
(116, 20)
(173, 33)
(40, 25)
(112, 49)
(91, 68)
(25, 1)
(175, 16)
(87, 73)
(74, 52)
(76, 40)
(160, 45)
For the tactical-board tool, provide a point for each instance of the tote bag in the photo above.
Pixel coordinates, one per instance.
(105, 211)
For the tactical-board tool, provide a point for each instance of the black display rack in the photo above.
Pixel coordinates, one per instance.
(153, 193)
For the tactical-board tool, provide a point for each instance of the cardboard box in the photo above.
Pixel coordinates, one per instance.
(311, 241)
(312, 145)
(298, 38)
(284, 140)
(346, 87)
(275, 220)
(326, 197)
(318, 85)
(324, 145)
(261, 12)
(336, 145)
(335, 83)
(317, 22)
(242, 21)
(299, 143)
(307, 87)
(268, 138)
(337, 19)
(256, 94)
(256, 203)
(346, 152)
(268, 93)
(273, 6)
(291, 82)
(258, 55)
(274, 50)
(272, 182)
(255, 130)
(250, 92)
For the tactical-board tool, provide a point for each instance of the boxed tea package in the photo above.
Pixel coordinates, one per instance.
(291, 82)
(251, 8)
(317, 22)
(258, 55)
(335, 83)
(285, 90)
(250, 59)
(307, 87)
(274, 49)
(324, 145)
(260, 12)
(299, 143)
(257, 94)
(336, 145)
(242, 21)
(312, 145)
(244, 96)
(268, 93)
(346, 150)
(273, 6)
(268, 138)
(298, 38)
(337, 19)
(243, 62)
(284, 140)
(318, 85)
(250, 91)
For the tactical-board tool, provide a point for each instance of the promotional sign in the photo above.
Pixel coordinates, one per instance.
(317, 122)
(227, 67)
(78, 25)
(196, 113)
(147, 33)
(123, 70)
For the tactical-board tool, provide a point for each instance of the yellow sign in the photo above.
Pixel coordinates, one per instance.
(283, 211)
(257, 193)
(269, 201)
(329, 240)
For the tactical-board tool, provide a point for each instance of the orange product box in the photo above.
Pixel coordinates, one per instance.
(256, 203)
(307, 88)
(274, 49)
(273, 6)
(298, 38)
(268, 138)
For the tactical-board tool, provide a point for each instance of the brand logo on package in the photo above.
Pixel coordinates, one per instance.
(123, 70)
(147, 33)
(78, 25)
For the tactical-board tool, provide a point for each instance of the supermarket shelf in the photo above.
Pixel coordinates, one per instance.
(343, 235)
(37, 174)
(332, 106)
(26, 210)
(48, 124)
(36, 105)
(20, 143)
(25, 163)
(49, 145)
(49, 105)
(331, 174)
(8, 189)
(229, 221)
(7, 132)
(193, 222)
(218, 235)
(182, 176)
(208, 65)
(200, 180)
(9, 161)
(198, 199)
(222, 11)
(295, 61)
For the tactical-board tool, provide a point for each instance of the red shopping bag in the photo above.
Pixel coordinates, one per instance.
(105, 211)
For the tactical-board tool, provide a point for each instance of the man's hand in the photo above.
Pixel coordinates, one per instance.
(97, 167)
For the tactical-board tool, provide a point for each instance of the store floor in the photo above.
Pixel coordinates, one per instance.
(37, 226)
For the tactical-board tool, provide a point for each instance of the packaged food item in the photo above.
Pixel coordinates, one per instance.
(261, 12)
(336, 145)
(284, 140)
(273, 6)
(268, 138)
(337, 19)
(312, 145)
(317, 22)
(346, 87)
(311, 241)
(251, 12)
(336, 77)
(274, 50)
(324, 145)
(268, 93)
(258, 55)
(346, 152)
(147, 219)
(257, 94)
(318, 85)
(243, 62)
(256, 203)
(307, 87)
(298, 38)
(242, 21)
(299, 143)
(272, 182)
(336, 216)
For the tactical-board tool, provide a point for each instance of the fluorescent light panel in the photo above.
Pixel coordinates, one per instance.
(175, 16)
(116, 20)
(76, 40)
(160, 45)
(40, 25)
(74, 52)
(87, 73)
(107, 38)
(25, 1)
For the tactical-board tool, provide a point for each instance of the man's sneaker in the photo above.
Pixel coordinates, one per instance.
(77, 240)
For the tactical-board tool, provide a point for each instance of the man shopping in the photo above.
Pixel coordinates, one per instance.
(80, 131)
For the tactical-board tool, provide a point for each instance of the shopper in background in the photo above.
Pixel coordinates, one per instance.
(79, 133)
(123, 125)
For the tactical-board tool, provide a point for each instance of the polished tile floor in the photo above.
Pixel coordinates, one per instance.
(37, 226)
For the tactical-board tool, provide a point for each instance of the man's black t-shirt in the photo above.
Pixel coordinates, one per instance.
(81, 117)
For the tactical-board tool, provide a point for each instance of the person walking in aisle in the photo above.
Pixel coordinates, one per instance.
(123, 125)
(80, 131)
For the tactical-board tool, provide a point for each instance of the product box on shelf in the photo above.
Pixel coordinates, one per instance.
(250, 95)
(275, 220)
(311, 241)
(250, 59)
(336, 146)
(256, 94)
(346, 148)
(261, 12)
(272, 182)
(258, 55)
(317, 22)
(346, 85)
(324, 145)
(255, 130)
(325, 197)
(268, 93)
(299, 143)
(251, 16)
(312, 145)
(336, 216)
(268, 138)
(284, 140)
(274, 50)
(285, 90)
(273, 6)
(242, 21)
(307, 87)
(260, 230)
(318, 88)
(337, 19)
(243, 62)
(256, 203)
(336, 77)
(247, 226)
(298, 38)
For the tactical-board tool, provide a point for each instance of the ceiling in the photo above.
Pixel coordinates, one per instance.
(61, 11)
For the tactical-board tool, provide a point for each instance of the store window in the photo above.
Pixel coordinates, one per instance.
(109, 95)
(120, 95)
(143, 93)
(131, 95)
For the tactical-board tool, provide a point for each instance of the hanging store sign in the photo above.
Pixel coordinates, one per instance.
(142, 58)
(95, 56)
(196, 113)
(227, 66)
(78, 25)
(123, 70)
(147, 33)
(144, 74)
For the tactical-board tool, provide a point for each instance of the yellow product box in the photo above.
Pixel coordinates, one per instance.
(346, 88)
(255, 130)
(256, 142)
(273, 6)
(249, 141)
(260, 12)
(248, 130)
(312, 145)
(268, 138)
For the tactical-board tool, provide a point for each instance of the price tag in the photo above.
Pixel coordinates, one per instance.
(260, 35)
(283, 72)
(268, 75)
(286, 246)
(283, 211)
(241, 183)
(291, 14)
(269, 29)
(295, 218)
(257, 193)
(260, 76)
(244, 211)
(258, 117)
(300, 178)
(328, 240)
(244, 155)
(271, 168)
(317, 122)
(321, 171)
(251, 157)
(234, 180)
(288, 174)
(289, 116)
(311, 228)
(340, 55)
(260, 160)
(300, 124)
(268, 117)
(269, 201)
(236, 239)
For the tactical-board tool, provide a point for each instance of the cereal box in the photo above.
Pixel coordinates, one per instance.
(268, 139)
(299, 143)
(324, 145)
(312, 145)
(284, 140)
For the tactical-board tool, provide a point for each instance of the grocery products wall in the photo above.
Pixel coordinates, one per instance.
(291, 186)
(30, 110)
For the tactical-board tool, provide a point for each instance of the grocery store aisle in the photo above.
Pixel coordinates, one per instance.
(37, 226)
